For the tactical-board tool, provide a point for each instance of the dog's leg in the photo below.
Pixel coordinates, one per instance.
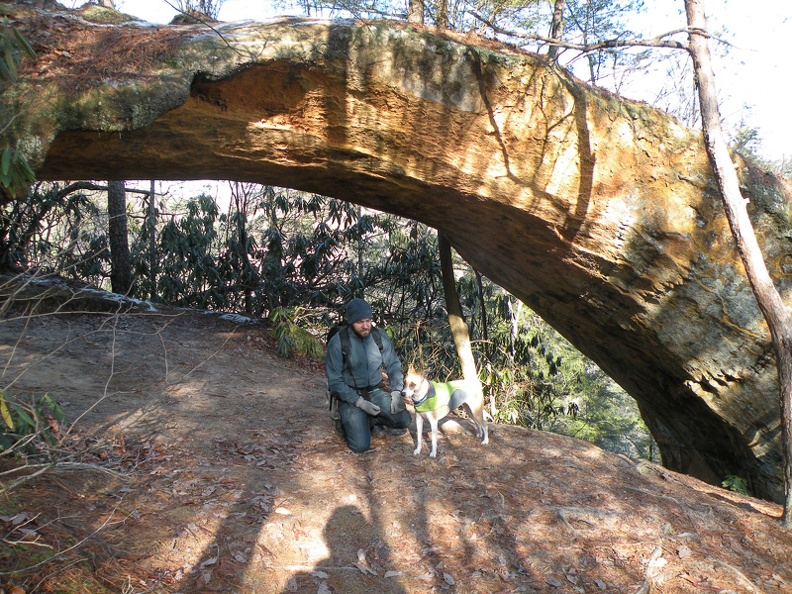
(433, 423)
(418, 433)
(476, 410)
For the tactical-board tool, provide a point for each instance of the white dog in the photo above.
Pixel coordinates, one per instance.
(434, 400)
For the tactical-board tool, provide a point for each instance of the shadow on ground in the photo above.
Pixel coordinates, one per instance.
(215, 468)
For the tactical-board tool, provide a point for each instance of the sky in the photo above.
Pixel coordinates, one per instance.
(755, 73)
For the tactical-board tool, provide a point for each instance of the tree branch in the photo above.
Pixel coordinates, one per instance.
(659, 41)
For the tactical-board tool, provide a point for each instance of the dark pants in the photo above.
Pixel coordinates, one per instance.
(357, 424)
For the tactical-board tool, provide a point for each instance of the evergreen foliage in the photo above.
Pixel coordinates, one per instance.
(27, 428)
(296, 259)
(15, 172)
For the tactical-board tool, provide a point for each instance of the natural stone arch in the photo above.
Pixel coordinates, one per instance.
(599, 213)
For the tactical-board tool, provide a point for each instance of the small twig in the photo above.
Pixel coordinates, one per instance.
(70, 466)
(15, 528)
(55, 467)
(210, 357)
(562, 517)
(32, 543)
(646, 587)
(205, 23)
(66, 550)
(24, 479)
(741, 576)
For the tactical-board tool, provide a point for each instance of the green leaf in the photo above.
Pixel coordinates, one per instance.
(24, 167)
(5, 73)
(5, 162)
(5, 413)
(23, 43)
(11, 64)
(25, 419)
(55, 408)
(5, 443)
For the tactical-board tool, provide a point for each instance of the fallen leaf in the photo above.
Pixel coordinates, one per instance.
(572, 579)
(211, 560)
(18, 519)
(28, 534)
(554, 582)
(364, 569)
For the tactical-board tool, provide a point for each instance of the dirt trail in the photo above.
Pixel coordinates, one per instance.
(229, 478)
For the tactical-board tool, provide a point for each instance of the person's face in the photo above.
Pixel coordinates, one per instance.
(362, 327)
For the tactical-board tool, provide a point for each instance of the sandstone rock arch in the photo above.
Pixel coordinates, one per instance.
(599, 213)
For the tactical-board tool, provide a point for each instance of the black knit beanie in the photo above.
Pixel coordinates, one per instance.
(356, 310)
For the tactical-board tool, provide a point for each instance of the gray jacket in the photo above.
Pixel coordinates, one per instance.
(363, 369)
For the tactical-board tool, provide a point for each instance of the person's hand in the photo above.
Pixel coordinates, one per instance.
(367, 407)
(397, 402)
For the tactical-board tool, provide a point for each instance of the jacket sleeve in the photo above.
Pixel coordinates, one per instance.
(334, 369)
(392, 364)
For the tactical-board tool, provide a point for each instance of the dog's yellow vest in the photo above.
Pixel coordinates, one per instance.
(440, 394)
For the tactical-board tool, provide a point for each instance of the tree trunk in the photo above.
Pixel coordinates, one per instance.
(442, 14)
(514, 324)
(415, 12)
(556, 27)
(767, 297)
(361, 246)
(483, 309)
(151, 221)
(456, 321)
(120, 267)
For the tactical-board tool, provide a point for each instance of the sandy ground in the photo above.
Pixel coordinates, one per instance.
(215, 468)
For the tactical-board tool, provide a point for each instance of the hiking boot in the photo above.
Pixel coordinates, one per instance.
(395, 432)
(377, 432)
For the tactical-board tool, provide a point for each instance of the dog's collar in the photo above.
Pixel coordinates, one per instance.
(429, 393)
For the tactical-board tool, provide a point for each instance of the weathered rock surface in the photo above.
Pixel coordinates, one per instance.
(599, 213)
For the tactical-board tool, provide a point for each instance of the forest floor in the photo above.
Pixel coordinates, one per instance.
(203, 462)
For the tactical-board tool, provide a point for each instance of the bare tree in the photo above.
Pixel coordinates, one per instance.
(556, 27)
(415, 12)
(441, 14)
(456, 320)
(770, 303)
(120, 262)
(151, 223)
(208, 8)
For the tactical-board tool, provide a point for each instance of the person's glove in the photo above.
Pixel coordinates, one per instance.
(397, 402)
(367, 407)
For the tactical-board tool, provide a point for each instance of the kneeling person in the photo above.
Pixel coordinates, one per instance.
(364, 399)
